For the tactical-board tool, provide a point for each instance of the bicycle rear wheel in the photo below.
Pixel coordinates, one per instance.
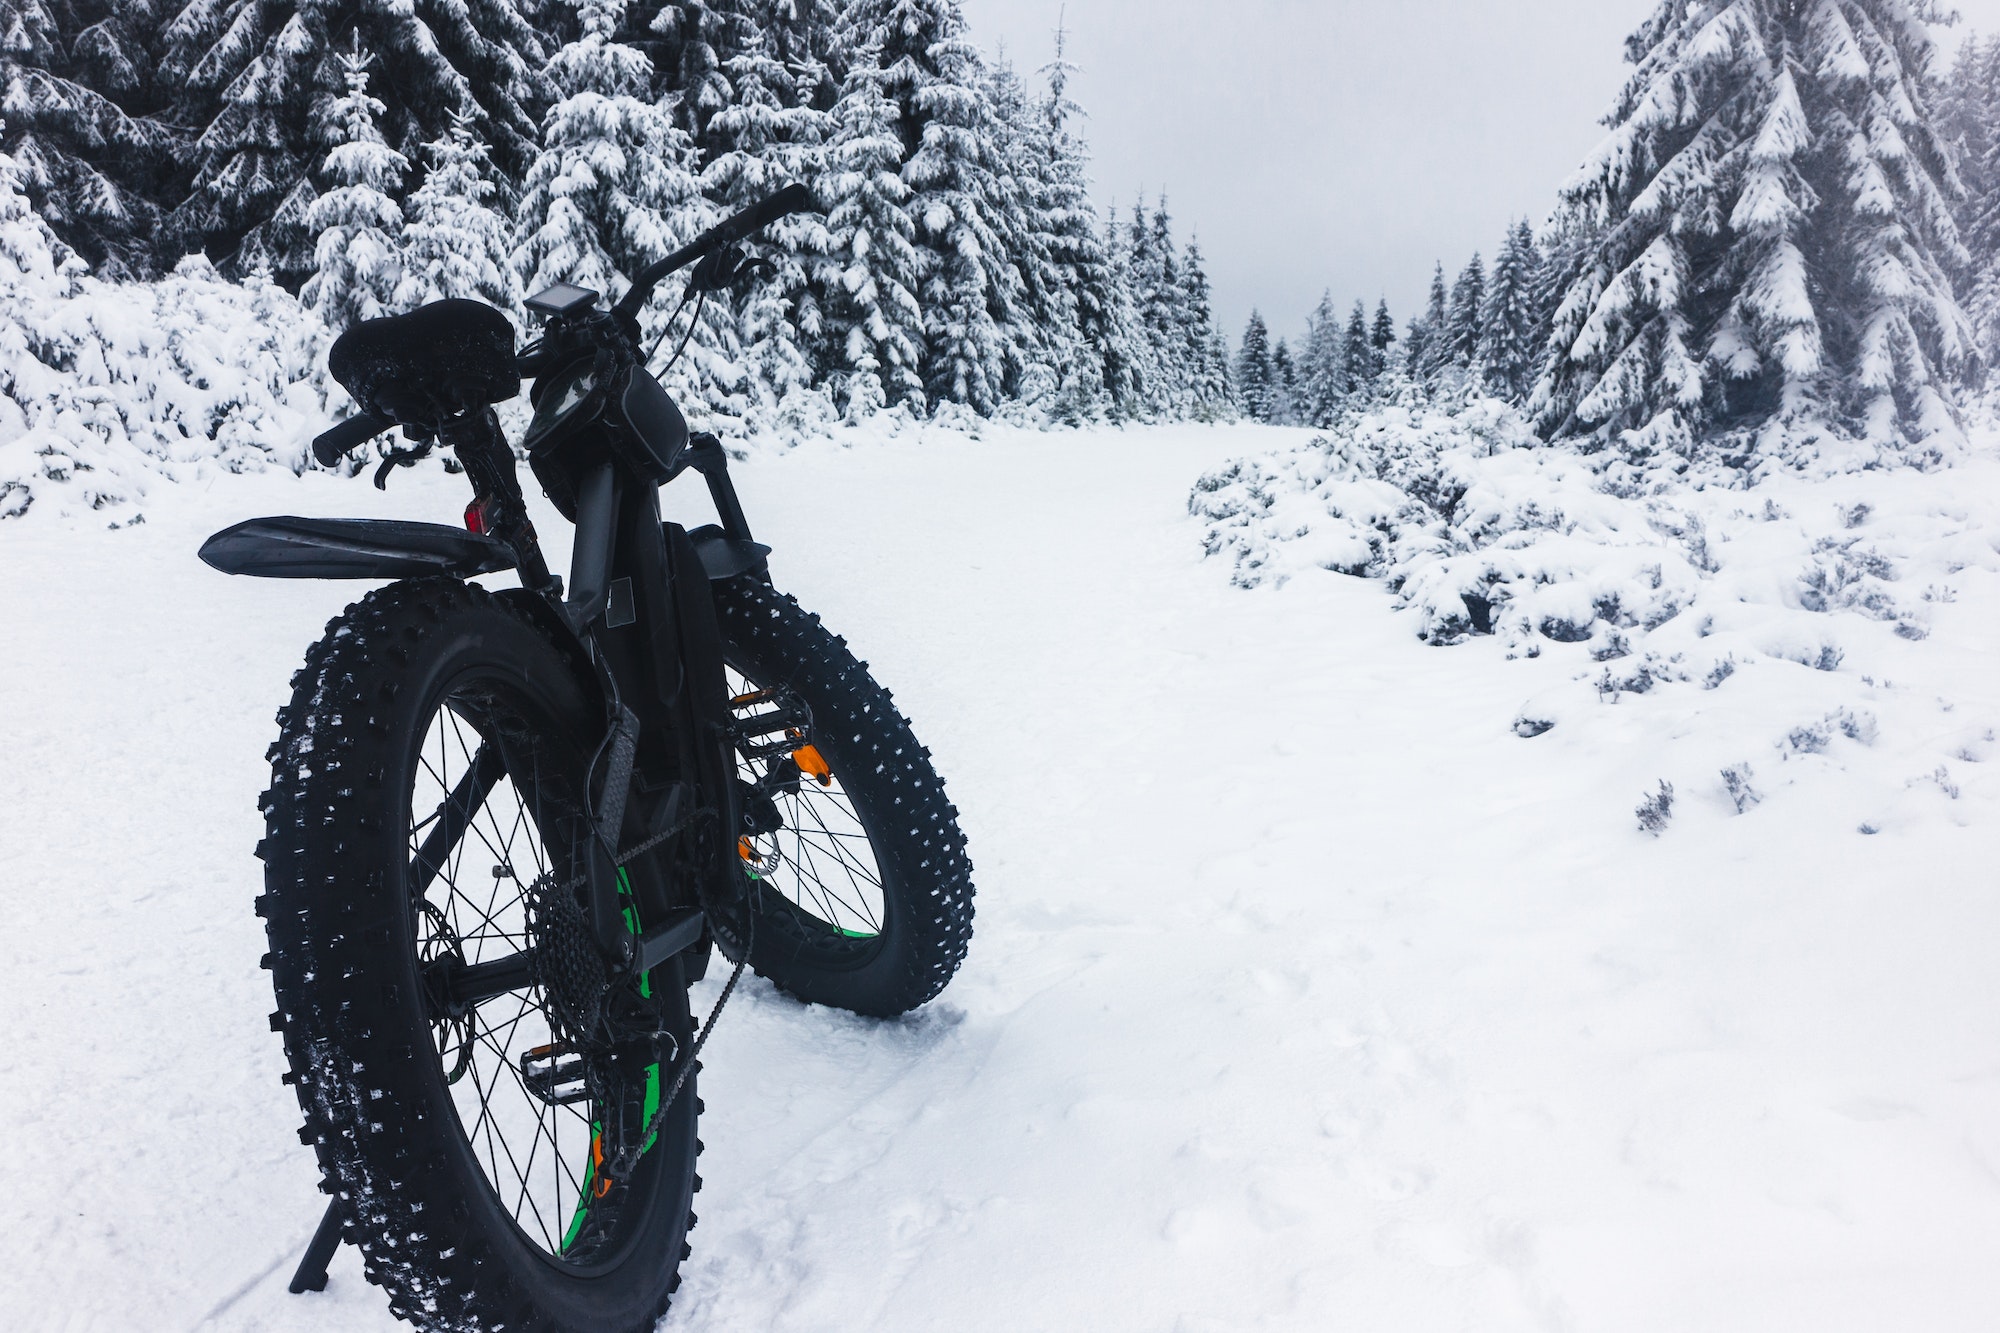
(425, 831)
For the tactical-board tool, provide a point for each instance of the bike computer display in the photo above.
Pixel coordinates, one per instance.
(561, 300)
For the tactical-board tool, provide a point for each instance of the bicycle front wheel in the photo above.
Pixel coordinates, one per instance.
(863, 893)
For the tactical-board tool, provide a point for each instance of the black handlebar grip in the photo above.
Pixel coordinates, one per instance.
(331, 446)
(795, 198)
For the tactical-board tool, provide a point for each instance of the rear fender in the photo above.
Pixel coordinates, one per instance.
(352, 548)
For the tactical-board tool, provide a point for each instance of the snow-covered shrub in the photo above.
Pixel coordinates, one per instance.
(1736, 606)
(106, 387)
(1473, 526)
(1656, 810)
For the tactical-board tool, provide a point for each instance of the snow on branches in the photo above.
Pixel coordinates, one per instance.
(107, 388)
(1776, 235)
(374, 154)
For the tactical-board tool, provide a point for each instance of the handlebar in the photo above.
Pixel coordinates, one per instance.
(792, 199)
(333, 445)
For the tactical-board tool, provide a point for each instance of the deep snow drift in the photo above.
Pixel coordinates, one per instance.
(1305, 992)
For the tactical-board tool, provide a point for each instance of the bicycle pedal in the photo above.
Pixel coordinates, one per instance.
(784, 777)
(555, 1074)
(787, 719)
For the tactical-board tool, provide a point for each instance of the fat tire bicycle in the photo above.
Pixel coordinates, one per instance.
(507, 830)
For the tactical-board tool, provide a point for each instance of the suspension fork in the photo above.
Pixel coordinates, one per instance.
(705, 454)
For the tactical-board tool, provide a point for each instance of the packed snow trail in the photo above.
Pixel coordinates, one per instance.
(1304, 994)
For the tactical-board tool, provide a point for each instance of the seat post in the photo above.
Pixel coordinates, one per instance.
(482, 446)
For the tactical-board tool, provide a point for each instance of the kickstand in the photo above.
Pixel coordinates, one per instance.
(319, 1252)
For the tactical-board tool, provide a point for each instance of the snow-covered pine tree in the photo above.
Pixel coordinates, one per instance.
(1462, 319)
(1284, 387)
(695, 41)
(799, 35)
(874, 328)
(356, 223)
(1427, 349)
(1100, 374)
(1323, 386)
(1507, 357)
(613, 188)
(1145, 277)
(37, 265)
(1131, 367)
(76, 86)
(1213, 388)
(250, 162)
(1043, 343)
(970, 285)
(766, 141)
(1777, 206)
(902, 34)
(1569, 246)
(1382, 337)
(1357, 354)
(1965, 105)
(1159, 297)
(1253, 369)
(1969, 116)
(253, 80)
(455, 243)
(36, 270)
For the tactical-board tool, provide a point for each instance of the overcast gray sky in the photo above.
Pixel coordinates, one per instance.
(1343, 144)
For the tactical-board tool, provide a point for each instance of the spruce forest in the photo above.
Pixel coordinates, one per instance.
(372, 156)
(1789, 231)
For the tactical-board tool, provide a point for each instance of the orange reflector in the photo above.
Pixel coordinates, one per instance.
(745, 850)
(810, 760)
(597, 1165)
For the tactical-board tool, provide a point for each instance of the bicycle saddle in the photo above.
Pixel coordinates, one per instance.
(437, 361)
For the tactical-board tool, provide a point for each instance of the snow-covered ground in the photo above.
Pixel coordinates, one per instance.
(1306, 994)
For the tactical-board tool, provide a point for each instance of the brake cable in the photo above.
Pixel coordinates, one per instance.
(700, 304)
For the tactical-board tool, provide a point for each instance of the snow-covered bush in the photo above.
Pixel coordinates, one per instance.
(1816, 586)
(108, 387)
(1480, 529)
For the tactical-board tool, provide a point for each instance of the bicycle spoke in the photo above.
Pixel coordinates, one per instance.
(471, 812)
(829, 872)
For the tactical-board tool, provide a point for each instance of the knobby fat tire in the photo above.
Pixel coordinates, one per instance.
(416, 1203)
(912, 826)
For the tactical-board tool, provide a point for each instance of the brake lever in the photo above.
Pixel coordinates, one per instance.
(729, 269)
(393, 458)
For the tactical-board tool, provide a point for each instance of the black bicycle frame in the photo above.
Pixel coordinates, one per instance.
(638, 610)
